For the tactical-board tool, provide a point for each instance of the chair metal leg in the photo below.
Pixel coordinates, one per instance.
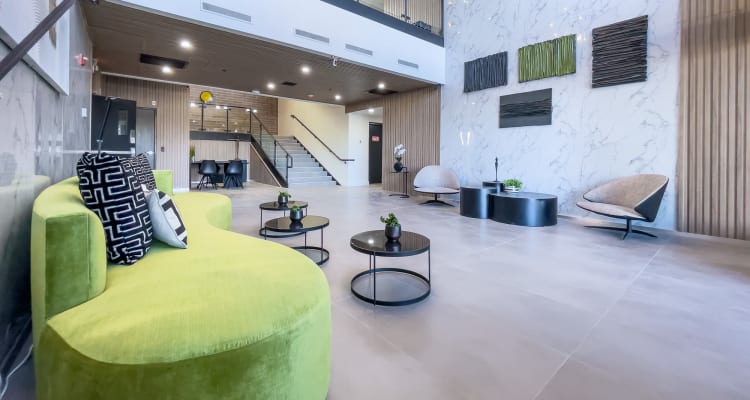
(436, 201)
(628, 229)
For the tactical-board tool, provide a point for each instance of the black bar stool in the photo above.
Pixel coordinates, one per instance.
(233, 175)
(208, 169)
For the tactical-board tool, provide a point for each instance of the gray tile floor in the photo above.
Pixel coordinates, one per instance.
(560, 312)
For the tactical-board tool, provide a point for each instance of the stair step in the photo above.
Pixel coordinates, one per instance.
(306, 170)
(312, 184)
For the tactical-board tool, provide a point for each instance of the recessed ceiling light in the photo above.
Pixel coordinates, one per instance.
(337, 97)
(166, 69)
(371, 110)
(271, 85)
(185, 44)
(381, 85)
(305, 69)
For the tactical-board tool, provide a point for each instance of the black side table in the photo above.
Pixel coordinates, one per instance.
(524, 208)
(308, 223)
(475, 201)
(398, 287)
(405, 194)
(275, 206)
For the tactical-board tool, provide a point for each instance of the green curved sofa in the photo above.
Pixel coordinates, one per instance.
(231, 317)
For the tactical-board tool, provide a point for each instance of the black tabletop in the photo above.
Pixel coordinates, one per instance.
(526, 195)
(308, 223)
(375, 243)
(273, 205)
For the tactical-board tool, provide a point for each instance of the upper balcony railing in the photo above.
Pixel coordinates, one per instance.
(421, 18)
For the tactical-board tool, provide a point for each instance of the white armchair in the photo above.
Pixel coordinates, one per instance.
(436, 180)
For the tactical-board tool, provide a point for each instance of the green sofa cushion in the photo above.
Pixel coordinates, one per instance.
(223, 292)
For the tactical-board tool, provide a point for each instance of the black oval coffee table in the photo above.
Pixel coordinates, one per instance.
(308, 223)
(276, 206)
(397, 286)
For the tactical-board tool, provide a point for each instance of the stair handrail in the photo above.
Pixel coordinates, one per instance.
(272, 158)
(18, 52)
(345, 160)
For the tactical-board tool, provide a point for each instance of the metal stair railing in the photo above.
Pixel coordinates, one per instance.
(345, 160)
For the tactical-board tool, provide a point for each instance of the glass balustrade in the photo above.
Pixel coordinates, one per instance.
(424, 14)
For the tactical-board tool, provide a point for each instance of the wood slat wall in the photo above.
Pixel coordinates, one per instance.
(714, 185)
(411, 118)
(172, 123)
(215, 120)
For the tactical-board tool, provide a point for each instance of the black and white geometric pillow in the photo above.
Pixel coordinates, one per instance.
(141, 169)
(115, 196)
(166, 220)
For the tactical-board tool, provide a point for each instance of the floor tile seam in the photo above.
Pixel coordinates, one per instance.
(596, 324)
(393, 345)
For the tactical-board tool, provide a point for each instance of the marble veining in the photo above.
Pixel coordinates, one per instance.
(596, 134)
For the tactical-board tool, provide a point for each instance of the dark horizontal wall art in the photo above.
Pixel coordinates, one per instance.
(547, 59)
(486, 72)
(620, 53)
(526, 109)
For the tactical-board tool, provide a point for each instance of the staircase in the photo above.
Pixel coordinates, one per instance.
(306, 170)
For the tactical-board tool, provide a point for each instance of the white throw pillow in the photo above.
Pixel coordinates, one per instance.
(166, 221)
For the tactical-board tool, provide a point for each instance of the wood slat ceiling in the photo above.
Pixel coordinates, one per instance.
(222, 59)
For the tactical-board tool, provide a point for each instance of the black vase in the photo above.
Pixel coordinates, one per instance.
(393, 233)
(295, 215)
(398, 166)
(282, 200)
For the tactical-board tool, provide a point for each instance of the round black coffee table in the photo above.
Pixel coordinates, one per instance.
(275, 206)
(307, 224)
(390, 286)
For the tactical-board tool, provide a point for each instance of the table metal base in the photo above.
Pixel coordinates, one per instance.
(271, 234)
(390, 287)
(318, 254)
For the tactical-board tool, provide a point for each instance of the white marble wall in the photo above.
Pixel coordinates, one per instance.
(596, 134)
(39, 130)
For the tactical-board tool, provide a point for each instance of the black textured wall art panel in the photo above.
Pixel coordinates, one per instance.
(620, 53)
(526, 109)
(486, 72)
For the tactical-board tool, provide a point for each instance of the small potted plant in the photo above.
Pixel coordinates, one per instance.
(192, 153)
(398, 154)
(392, 227)
(512, 185)
(295, 214)
(283, 198)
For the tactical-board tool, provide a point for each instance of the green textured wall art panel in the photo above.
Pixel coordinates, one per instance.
(547, 59)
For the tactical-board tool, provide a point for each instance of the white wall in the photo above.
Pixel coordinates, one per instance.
(329, 122)
(277, 21)
(359, 146)
(596, 134)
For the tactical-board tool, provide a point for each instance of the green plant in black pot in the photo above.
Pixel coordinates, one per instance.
(295, 213)
(513, 185)
(283, 198)
(392, 227)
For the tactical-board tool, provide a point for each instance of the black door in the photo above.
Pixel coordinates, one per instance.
(119, 130)
(376, 153)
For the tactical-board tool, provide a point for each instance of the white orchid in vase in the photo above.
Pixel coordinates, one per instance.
(398, 152)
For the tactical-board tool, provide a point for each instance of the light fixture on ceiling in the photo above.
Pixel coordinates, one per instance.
(381, 85)
(271, 86)
(166, 69)
(185, 44)
(337, 97)
(305, 69)
(255, 110)
(371, 110)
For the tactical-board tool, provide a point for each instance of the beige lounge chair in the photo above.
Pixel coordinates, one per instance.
(632, 198)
